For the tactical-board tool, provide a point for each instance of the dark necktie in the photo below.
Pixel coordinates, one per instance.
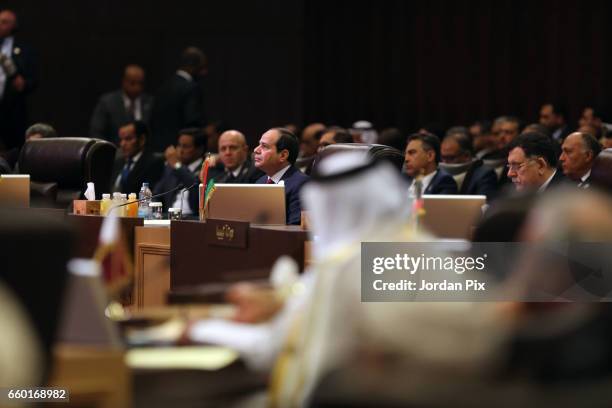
(270, 181)
(131, 110)
(125, 173)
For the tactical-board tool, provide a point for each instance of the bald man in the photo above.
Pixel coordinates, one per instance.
(125, 105)
(18, 77)
(234, 155)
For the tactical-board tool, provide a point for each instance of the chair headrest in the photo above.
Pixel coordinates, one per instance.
(456, 169)
(376, 151)
(60, 160)
(601, 172)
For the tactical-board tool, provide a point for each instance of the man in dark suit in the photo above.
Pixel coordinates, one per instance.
(183, 165)
(579, 151)
(276, 155)
(234, 156)
(18, 78)
(178, 103)
(478, 179)
(532, 162)
(137, 165)
(554, 117)
(125, 105)
(421, 161)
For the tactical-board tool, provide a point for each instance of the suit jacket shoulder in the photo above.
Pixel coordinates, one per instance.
(294, 180)
(480, 180)
(442, 183)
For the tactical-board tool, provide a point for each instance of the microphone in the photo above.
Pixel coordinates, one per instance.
(155, 196)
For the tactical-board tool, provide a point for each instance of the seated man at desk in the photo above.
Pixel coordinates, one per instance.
(234, 155)
(276, 155)
(183, 165)
(137, 165)
(421, 159)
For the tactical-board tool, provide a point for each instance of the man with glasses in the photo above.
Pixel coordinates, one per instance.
(532, 162)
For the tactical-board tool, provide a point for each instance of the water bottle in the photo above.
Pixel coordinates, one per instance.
(144, 198)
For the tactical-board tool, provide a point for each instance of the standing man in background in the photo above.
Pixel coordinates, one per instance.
(18, 77)
(178, 103)
(120, 107)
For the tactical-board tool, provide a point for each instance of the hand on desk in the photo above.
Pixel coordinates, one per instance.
(253, 303)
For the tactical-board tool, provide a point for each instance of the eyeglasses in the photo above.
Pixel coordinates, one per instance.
(515, 167)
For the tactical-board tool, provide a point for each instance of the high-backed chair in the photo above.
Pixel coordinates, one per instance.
(601, 172)
(376, 151)
(458, 171)
(60, 168)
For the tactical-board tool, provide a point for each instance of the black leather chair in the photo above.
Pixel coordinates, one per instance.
(601, 172)
(60, 168)
(376, 151)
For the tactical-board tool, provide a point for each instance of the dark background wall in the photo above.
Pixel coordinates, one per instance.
(392, 62)
(254, 52)
(410, 63)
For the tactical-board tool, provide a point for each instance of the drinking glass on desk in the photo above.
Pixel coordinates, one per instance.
(156, 210)
(174, 214)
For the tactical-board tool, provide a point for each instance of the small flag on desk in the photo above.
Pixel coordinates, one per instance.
(204, 180)
(113, 257)
(210, 189)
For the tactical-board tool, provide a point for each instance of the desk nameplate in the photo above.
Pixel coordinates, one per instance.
(227, 233)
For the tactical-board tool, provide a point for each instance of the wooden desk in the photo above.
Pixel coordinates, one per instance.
(88, 229)
(95, 377)
(196, 261)
(151, 266)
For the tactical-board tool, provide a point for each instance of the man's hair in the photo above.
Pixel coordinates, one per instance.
(429, 141)
(537, 128)
(534, 145)
(559, 109)
(318, 134)
(485, 126)
(392, 137)
(462, 138)
(511, 119)
(42, 129)
(199, 140)
(287, 140)
(192, 57)
(140, 128)
(598, 111)
(341, 135)
(590, 143)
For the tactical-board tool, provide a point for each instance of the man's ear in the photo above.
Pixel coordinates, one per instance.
(431, 155)
(541, 163)
(284, 155)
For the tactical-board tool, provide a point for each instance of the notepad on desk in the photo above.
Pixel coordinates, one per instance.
(209, 358)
